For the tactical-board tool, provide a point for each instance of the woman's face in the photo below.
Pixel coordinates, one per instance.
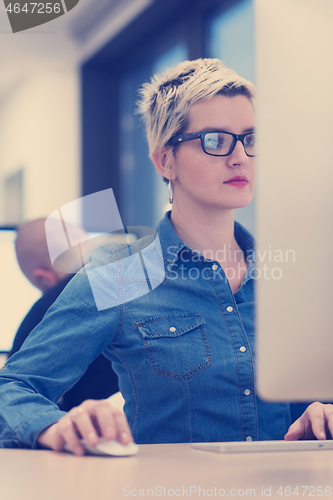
(203, 179)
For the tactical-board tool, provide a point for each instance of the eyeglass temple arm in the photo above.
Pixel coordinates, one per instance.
(184, 137)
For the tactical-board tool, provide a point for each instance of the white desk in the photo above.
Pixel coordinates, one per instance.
(47, 475)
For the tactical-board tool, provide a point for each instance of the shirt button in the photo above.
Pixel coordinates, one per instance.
(172, 329)
(242, 349)
(248, 438)
(215, 267)
(230, 309)
(247, 392)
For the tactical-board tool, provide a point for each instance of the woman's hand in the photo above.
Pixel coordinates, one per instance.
(89, 421)
(316, 422)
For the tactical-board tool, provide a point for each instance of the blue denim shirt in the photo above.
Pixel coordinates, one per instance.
(184, 354)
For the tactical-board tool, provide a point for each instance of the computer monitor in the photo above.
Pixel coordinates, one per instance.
(294, 79)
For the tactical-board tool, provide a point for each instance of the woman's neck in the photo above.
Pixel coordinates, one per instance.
(209, 232)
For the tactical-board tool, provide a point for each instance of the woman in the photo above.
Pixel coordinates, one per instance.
(184, 352)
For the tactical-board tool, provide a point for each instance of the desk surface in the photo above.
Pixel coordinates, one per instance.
(165, 471)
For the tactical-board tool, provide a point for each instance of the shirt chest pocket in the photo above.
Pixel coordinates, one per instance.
(177, 345)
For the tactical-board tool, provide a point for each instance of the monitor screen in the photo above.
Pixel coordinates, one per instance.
(294, 199)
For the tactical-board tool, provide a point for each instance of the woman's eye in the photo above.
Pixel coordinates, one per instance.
(212, 141)
(249, 140)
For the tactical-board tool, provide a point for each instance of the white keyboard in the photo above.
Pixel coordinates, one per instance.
(259, 446)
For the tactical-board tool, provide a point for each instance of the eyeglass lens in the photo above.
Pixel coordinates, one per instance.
(219, 143)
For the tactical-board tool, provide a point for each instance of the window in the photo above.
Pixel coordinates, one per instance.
(114, 147)
(144, 196)
(230, 37)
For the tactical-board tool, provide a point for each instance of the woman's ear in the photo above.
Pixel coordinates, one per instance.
(163, 160)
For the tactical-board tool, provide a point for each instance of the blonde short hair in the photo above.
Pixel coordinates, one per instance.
(166, 100)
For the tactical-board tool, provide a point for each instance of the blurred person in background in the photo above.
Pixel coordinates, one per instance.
(99, 381)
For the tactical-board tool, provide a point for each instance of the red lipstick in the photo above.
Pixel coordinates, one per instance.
(237, 181)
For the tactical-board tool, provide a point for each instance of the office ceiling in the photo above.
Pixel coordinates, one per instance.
(69, 39)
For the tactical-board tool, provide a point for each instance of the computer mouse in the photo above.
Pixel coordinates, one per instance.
(112, 448)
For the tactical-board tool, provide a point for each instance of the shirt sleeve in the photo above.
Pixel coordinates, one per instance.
(55, 355)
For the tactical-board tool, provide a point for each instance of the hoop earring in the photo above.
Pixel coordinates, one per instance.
(170, 191)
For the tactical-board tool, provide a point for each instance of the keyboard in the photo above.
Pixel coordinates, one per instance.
(264, 446)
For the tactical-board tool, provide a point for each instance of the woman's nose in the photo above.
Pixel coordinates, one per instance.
(238, 155)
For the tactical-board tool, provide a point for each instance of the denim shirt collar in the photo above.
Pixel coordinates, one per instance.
(169, 239)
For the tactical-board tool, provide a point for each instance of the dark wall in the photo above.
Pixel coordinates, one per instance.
(101, 74)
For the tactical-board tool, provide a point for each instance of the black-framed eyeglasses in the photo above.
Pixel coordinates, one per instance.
(219, 143)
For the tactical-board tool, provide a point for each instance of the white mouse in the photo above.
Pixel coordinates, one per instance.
(112, 448)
